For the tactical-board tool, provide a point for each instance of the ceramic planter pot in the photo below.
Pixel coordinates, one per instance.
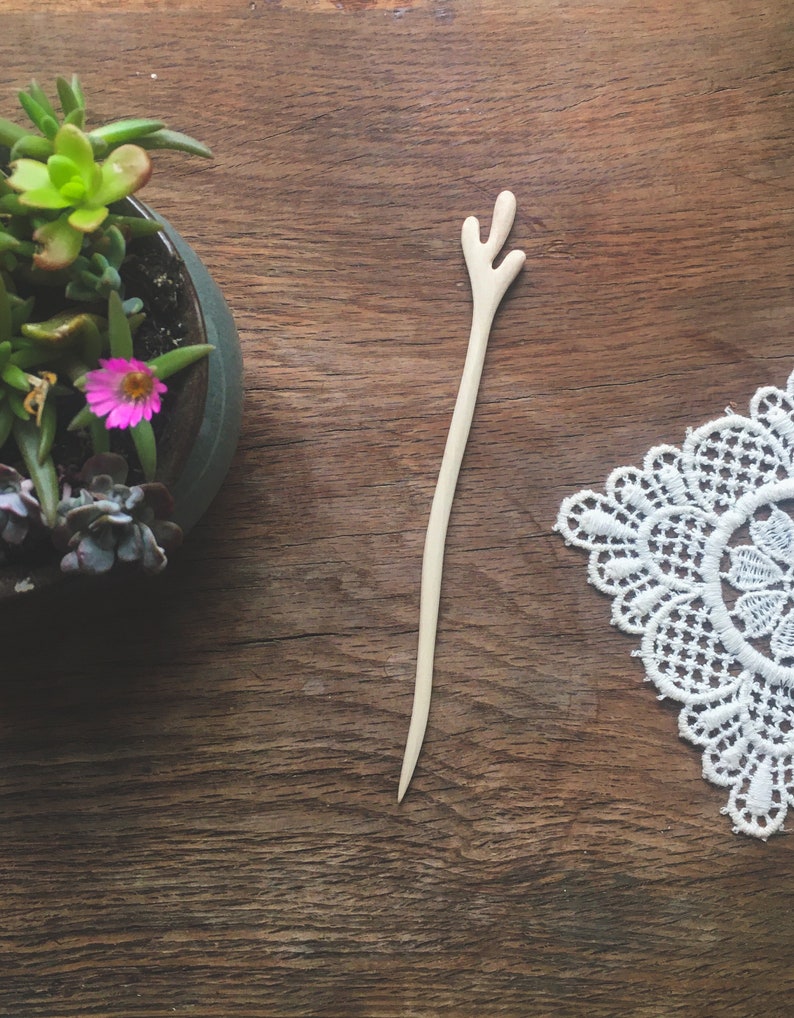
(201, 431)
(204, 424)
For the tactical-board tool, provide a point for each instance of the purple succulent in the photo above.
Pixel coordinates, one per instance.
(107, 521)
(18, 507)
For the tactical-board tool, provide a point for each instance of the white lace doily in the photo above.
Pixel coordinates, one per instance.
(697, 550)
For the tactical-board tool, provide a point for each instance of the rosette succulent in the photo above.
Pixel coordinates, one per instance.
(55, 204)
(18, 507)
(106, 521)
(72, 183)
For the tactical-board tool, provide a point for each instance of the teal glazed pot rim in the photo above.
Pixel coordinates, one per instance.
(196, 477)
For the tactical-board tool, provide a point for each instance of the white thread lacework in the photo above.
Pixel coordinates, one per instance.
(697, 550)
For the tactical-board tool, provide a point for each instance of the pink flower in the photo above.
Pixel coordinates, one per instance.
(127, 391)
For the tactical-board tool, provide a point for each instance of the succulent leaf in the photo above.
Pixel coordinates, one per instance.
(17, 405)
(42, 115)
(20, 311)
(119, 333)
(176, 360)
(71, 179)
(61, 169)
(176, 141)
(124, 172)
(8, 242)
(146, 447)
(29, 175)
(5, 316)
(133, 226)
(72, 144)
(70, 101)
(100, 436)
(18, 508)
(112, 246)
(48, 197)
(43, 475)
(60, 242)
(76, 117)
(120, 132)
(87, 220)
(77, 88)
(47, 430)
(6, 421)
(32, 146)
(27, 356)
(84, 418)
(10, 133)
(39, 96)
(11, 205)
(15, 377)
(56, 330)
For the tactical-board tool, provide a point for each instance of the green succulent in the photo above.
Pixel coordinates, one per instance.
(55, 212)
(148, 133)
(71, 180)
(96, 273)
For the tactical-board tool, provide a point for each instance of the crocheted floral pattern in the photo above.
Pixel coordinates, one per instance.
(696, 548)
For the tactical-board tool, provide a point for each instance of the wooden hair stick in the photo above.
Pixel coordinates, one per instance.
(488, 287)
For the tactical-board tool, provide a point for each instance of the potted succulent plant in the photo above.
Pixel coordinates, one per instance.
(120, 371)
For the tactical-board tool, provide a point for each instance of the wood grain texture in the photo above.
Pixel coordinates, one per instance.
(198, 776)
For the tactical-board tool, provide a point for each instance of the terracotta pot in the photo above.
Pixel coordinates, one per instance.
(200, 436)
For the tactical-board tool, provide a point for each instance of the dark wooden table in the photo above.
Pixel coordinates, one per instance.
(198, 776)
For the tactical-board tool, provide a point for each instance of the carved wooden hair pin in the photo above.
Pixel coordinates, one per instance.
(488, 286)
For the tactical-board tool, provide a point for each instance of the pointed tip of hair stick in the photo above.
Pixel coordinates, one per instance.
(405, 781)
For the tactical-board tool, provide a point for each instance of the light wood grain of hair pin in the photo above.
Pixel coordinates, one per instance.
(488, 286)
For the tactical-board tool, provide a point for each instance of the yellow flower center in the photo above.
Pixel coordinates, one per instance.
(137, 385)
